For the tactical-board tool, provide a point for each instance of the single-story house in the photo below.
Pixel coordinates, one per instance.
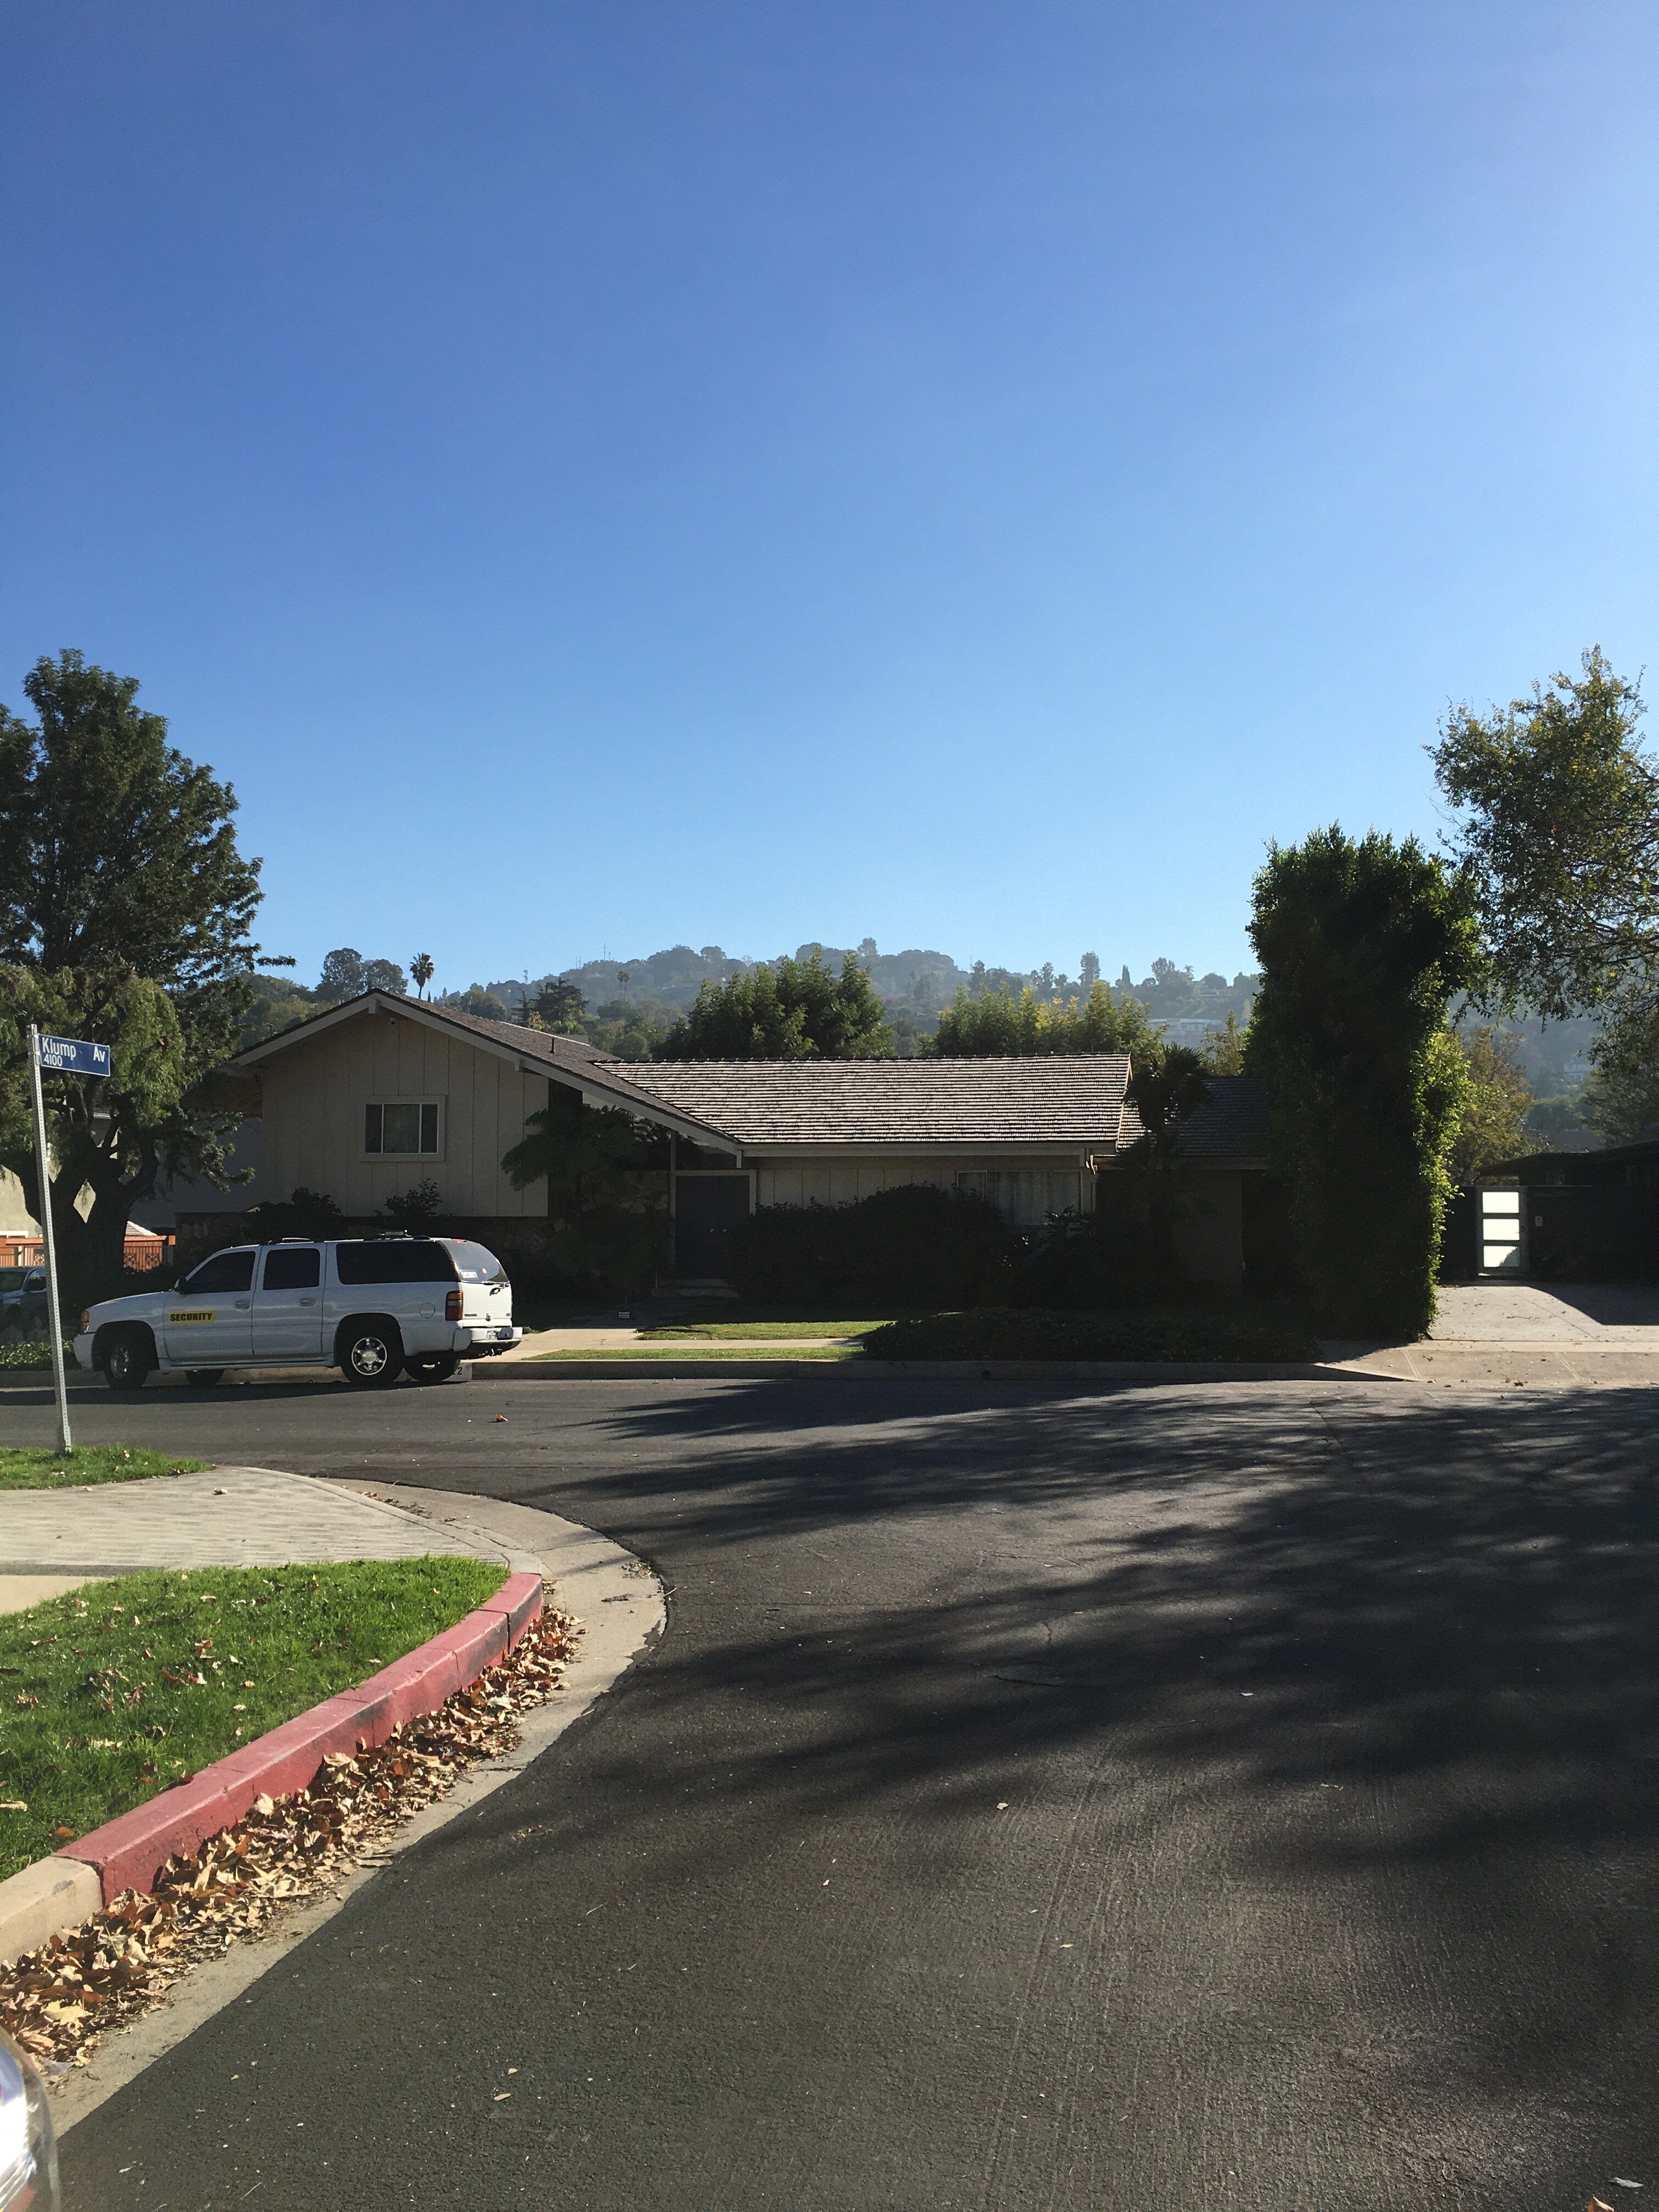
(382, 1093)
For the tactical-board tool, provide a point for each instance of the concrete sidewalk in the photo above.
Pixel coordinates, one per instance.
(232, 1517)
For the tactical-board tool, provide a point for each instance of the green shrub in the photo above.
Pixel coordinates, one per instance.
(911, 1246)
(614, 1247)
(303, 1212)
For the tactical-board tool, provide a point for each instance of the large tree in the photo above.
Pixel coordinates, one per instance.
(1362, 944)
(125, 910)
(1559, 825)
(796, 1010)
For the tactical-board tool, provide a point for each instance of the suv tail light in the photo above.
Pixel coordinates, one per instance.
(452, 1305)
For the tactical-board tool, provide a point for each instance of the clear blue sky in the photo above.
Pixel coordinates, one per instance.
(601, 474)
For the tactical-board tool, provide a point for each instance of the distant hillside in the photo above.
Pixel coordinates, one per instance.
(915, 983)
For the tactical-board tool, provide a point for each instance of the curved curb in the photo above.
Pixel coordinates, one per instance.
(129, 1851)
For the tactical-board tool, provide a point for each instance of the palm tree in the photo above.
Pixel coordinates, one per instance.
(420, 968)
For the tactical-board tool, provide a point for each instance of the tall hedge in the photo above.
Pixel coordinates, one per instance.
(1362, 945)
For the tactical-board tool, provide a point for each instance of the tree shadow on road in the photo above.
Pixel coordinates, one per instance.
(1400, 1647)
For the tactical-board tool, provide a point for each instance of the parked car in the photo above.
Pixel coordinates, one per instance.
(375, 1307)
(22, 1304)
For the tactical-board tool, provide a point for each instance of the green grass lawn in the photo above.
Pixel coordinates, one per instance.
(122, 1688)
(50, 1470)
(681, 1348)
(1029, 1333)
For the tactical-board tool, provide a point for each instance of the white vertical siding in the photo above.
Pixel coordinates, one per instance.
(315, 1093)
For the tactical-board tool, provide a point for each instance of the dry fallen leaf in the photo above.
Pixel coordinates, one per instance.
(14, 1805)
(58, 2001)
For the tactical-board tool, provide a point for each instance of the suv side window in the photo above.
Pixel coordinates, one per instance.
(392, 1259)
(225, 1270)
(293, 1267)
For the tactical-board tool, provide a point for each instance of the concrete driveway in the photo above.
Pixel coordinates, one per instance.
(1226, 1796)
(1520, 1335)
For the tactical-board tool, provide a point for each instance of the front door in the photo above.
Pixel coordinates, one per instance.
(210, 1316)
(1502, 1231)
(287, 1308)
(705, 1209)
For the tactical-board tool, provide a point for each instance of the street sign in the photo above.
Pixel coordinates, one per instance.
(73, 1056)
(61, 1056)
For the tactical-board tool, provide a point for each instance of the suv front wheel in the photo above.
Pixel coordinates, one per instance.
(127, 1361)
(369, 1353)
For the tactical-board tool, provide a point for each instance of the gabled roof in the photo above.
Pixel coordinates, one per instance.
(602, 1080)
(1076, 1100)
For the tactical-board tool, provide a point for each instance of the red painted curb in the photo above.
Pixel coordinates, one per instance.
(131, 1850)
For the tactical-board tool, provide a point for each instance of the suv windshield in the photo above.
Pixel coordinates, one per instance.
(13, 1278)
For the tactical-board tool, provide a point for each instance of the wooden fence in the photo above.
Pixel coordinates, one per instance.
(139, 1253)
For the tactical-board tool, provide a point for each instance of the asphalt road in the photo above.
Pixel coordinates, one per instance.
(1237, 1796)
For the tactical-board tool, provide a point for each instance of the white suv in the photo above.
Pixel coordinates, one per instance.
(375, 1307)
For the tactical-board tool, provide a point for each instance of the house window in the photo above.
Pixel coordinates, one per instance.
(401, 1128)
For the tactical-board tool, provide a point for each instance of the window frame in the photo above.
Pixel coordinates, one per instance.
(429, 1103)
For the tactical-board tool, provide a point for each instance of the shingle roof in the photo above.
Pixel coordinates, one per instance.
(973, 1102)
(1233, 1124)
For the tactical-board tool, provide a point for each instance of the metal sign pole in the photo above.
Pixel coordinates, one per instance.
(54, 1320)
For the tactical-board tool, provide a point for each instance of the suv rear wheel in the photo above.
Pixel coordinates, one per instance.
(127, 1361)
(369, 1353)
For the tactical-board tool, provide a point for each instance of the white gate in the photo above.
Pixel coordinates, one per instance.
(1502, 1229)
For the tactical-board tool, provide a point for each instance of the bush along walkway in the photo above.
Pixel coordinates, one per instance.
(59, 1999)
